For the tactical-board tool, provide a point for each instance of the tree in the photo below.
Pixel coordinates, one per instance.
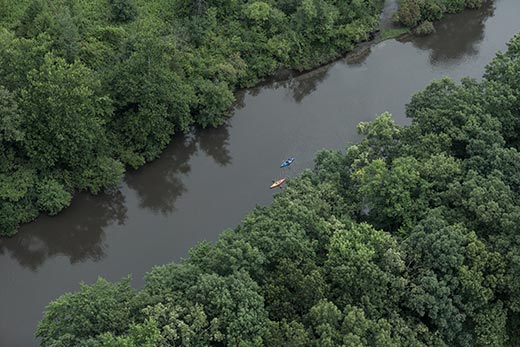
(34, 20)
(122, 11)
(76, 318)
(52, 196)
(394, 196)
(65, 34)
(151, 99)
(364, 268)
(64, 117)
(206, 308)
(409, 12)
(10, 119)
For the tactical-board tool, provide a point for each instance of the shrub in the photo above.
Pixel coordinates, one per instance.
(425, 28)
(454, 6)
(432, 10)
(409, 13)
(474, 3)
(52, 196)
(122, 10)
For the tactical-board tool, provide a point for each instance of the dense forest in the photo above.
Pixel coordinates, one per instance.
(88, 88)
(408, 238)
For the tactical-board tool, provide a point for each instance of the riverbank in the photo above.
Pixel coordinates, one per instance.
(387, 30)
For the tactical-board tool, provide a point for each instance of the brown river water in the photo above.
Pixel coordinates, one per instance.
(207, 181)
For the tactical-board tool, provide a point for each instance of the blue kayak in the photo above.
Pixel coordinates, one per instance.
(287, 162)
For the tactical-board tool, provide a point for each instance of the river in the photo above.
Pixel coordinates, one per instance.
(207, 181)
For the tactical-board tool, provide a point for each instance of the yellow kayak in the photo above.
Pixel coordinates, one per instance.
(277, 183)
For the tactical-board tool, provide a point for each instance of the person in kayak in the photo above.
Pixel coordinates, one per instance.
(287, 162)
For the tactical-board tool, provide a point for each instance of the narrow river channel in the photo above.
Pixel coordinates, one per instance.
(207, 181)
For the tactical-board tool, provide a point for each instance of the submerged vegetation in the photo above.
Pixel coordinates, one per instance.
(409, 238)
(88, 88)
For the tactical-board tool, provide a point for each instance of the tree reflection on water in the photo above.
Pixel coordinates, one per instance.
(464, 30)
(160, 185)
(77, 233)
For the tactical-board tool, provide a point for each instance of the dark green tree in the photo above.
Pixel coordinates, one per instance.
(122, 11)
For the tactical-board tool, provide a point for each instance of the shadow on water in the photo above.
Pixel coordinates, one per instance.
(160, 185)
(215, 143)
(306, 84)
(298, 87)
(465, 31)
(357, 58)
(74, 233)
